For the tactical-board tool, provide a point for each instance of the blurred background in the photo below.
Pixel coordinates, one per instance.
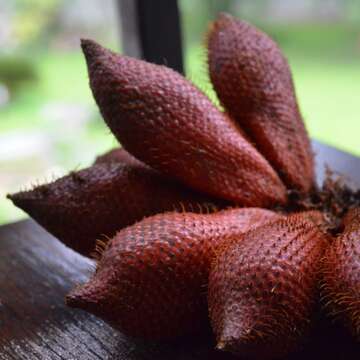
(49, 123)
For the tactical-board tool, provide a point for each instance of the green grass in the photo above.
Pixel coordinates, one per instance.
(337, 40)
(60, 77)
(327, 80)
(329, 99)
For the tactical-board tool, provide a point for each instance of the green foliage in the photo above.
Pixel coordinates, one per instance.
(61, 77)
(32, 17)
(15, 71)
(340, 41)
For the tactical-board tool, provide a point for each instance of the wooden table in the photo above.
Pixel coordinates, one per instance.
(36, 271)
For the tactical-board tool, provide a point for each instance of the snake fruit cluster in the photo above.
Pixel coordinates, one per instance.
(151, 279)
(163, 270)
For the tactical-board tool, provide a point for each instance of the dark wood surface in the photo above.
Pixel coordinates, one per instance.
(36, 271)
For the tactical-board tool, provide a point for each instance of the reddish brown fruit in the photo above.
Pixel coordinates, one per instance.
(118, 155)
(151, 280)
(314, 216)
(253, 81)
(318, 218)
(164, 121)
(263, 288)
(341, 275)
(97, 202)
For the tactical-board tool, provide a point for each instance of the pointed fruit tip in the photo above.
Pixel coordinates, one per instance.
(86, 296)
(91, 48)
(26, 200)
(224, 16)
(77, 298)
(88, 44)
(19, 199)
(220, 20)
(220, 345)
(71, 300)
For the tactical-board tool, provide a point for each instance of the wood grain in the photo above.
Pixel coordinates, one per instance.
(36, 271)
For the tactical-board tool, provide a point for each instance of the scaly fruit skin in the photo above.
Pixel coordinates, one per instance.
(263, 288)
(118, 155)
(151, 280)
(96, 202)
(341, 275)
(164, 121)
(319, 219)
(253, 81)
(314, 216)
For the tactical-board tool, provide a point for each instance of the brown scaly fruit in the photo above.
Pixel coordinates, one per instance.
(118, 155)
(164, 121)
(263, 288)
(341, 275)
(96, 202)
(151, 279)
(318, 218)
(253, 81)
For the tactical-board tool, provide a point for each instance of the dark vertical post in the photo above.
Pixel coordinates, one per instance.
(151, 30)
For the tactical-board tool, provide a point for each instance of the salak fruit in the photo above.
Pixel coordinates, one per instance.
(96, 202)
(151, 279)
(186, 154)
(263, 288)
(118, 155)
(164, 121)
(341, 275)
(253, 81)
